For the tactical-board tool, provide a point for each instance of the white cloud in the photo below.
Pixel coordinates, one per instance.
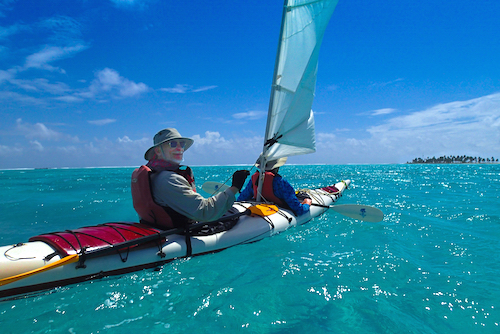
(456, 128)
(41, 132)
(326, 137)
(388, 83)
(101, 122)
(23, 99)
(125, 139)
(36, 145)
(98, 152)
(10, 151)
(316, 113)
(63, 36)
(204, 88)
(384, 111)
(6, 32)
(250, 115)
(132, 4)
(125, 2)
(109, 81)
(178, 89)
(63, 29)
(463, 127)
(210, 138)
(184, 88)
(107, 84)
(121, 151)
(6, 75)
(14, 83)
(69, 99)
(129, 88)
(38, 130)
(41, 85)
(49, 54)
(465, 116)
(214, 149)
(109, 78)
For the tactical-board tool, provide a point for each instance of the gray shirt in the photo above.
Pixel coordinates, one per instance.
(173, 190)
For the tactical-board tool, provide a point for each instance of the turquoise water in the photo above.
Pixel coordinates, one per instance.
(431, 266)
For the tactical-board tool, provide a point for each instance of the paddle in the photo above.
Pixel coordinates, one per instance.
(211, 187)
(356, 211)
(260, 209)
(360, 212)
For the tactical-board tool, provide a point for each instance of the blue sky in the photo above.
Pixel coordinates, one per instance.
(88, 83)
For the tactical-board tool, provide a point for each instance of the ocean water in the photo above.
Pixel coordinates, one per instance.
(431, 266)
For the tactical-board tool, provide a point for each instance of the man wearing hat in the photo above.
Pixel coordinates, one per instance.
(275, 188)
(173, 188)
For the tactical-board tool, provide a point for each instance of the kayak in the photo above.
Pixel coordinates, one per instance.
(61, 258)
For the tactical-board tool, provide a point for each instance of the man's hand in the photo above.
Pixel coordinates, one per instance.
(239, 178)
(307, 201)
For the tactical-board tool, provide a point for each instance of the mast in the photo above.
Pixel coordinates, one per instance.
(270, 108)
(290, 126)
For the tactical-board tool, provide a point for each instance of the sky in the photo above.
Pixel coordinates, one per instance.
(87, 83)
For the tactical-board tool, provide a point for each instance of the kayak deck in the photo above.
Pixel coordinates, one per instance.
(93, 237)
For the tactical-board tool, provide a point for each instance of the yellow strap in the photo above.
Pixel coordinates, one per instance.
(65, 260)
(263, 209)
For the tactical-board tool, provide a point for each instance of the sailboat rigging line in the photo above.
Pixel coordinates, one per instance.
(261, 198)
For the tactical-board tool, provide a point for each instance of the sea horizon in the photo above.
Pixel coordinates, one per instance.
(249, 165)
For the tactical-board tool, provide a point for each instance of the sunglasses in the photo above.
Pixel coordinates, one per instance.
(175, 143)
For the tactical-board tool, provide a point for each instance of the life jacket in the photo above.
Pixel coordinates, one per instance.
(148, 210)
(267, 188)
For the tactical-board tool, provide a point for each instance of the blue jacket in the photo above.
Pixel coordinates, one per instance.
(281, 189)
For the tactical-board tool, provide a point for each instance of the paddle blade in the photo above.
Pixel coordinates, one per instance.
(360, 212)
(211, 187)
(65, 260)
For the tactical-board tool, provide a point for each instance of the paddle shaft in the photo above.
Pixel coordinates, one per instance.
(322, 206)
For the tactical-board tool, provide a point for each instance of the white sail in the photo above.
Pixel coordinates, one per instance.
(290, 123)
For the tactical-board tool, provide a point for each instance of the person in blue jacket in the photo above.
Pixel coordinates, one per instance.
(275, 189)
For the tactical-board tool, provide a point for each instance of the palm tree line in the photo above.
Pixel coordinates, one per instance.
(464, 159)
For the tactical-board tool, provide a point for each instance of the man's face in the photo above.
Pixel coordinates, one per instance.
(172, 151)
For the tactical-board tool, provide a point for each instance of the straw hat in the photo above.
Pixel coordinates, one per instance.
(164, 136)
(270, 165)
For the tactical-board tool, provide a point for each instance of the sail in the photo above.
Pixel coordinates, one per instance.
(290, 123)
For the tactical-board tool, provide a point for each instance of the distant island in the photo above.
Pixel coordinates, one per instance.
(463, 159)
